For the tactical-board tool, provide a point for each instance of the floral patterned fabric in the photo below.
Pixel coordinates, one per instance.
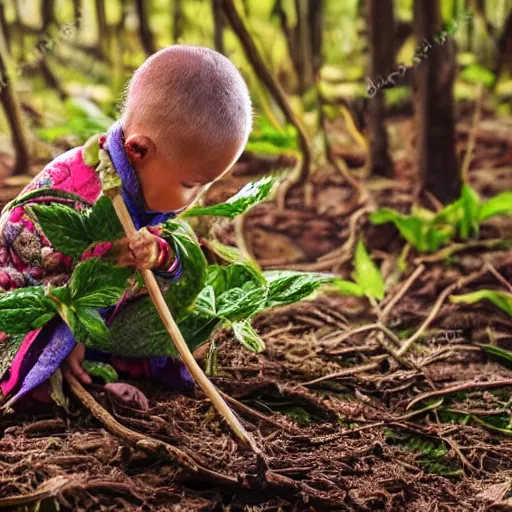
(27, 258)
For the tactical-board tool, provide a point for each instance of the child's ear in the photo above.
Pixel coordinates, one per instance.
(139, 147)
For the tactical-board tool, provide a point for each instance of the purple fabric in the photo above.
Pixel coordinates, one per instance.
(131, 191)
(59, 343)
(171, 372)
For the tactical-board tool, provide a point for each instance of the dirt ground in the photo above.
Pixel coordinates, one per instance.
(343, 424)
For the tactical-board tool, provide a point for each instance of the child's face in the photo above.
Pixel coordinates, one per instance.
(170, 184)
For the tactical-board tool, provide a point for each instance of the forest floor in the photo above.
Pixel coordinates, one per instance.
(342, 423)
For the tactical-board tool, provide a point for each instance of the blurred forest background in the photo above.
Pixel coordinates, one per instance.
(392, 123)
(65, 63)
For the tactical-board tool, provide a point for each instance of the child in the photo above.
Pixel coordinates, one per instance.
(186, 119)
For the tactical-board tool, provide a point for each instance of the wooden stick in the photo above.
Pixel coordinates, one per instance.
(163, 310)
(111, 185)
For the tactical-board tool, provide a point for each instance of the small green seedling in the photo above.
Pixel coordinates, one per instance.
(427, 231)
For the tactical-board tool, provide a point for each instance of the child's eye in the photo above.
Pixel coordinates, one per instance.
(192, 184)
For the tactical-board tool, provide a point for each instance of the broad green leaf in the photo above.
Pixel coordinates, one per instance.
(97, 283)
(475, 73)
(249, 196)
(236, 275)
(205, 302)
(247, 336)
(470, 202)
(238, 304)
(101, 370)
(101, 222)
(424, 232)
(183, 240)
(63, 226)
(411, 228)
(93, 325)
(498, 352)
(498, 205)
(501, 299)
(287, 287)
(367, 275)
(347, 287)
(72, 232)
(25, 309)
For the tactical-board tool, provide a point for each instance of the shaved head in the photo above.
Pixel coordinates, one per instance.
(191, 102)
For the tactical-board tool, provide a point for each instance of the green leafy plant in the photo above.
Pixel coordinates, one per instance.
(501, 299)
(265, 138)
(427, 231)
(84, 119)
(205, 298)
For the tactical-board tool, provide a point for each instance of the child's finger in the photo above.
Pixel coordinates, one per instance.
(76, 369)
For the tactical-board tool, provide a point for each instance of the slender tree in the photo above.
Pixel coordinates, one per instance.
(13, 113)
(381, 35)
(315, 20)
(77, 9)
(103, 30)
(178, 20)
(434, 107)
(263, 73)
(145, 34)
(48, 17)
(4, 26)
(218, 25)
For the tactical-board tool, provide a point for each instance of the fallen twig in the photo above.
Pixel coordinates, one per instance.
(348, 371)
(460, 387)
(437, 306)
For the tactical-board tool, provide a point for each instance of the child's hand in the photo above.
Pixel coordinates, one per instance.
(142, 252)
(74, 361)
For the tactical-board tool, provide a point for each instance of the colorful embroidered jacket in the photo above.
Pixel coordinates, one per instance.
(27, 258)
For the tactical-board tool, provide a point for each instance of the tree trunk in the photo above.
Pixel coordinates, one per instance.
(255, 59)
(381, 31)
(434, 107)
(4, 27)
(218, 25)
(47, 13)
(178, 21)
(315, 20)
(77, 10)
(103, 30)
(304, 46)
(504, 60)
(13, 114)
(145, 34)
(290, 36)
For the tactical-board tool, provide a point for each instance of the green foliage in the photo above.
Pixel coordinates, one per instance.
(96, 283)
(93, 284)
(265, 138)
(432, 453)
(250, 195)
(25, 309)
(205, 297)
(501, 299)
(299, 414)
(101, 370)
(475, 73)
(83, 121)
(247, 336)
(71, 232)
(427, 231)
(367, 275)
(497, 352)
